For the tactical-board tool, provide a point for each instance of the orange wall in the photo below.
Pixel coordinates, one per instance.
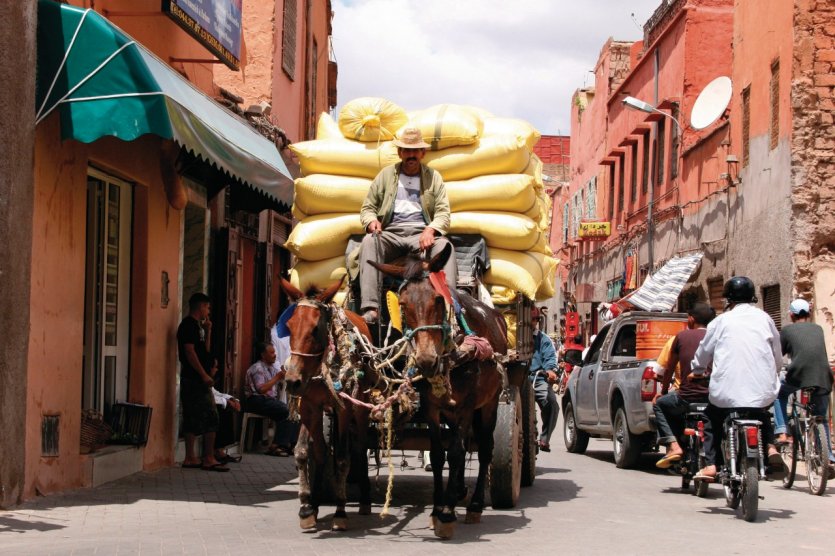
(159, 34)
(288, 98)
(57, 309)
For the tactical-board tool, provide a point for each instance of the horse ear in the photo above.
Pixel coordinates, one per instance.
(327, 295)
(438, 261)
(389, 269)
(291, 290)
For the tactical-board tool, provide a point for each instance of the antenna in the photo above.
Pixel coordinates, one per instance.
(712, 102)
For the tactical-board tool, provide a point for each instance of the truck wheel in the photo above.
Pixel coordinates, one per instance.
(626, 446)
(506, 466)
(576, 441)
(529, 445)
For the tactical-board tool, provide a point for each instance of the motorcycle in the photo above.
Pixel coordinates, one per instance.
(694, 452)
(744, 461)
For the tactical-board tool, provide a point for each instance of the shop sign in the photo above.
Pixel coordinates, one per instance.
(214, 23)
(594, 229)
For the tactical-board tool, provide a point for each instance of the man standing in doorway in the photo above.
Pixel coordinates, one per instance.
(199, 412)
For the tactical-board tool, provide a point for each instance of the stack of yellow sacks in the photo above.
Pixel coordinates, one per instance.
(493, 181)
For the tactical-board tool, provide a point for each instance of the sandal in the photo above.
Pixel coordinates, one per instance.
(219, 467)
(280, 452)
(226, 458)
(667, 461)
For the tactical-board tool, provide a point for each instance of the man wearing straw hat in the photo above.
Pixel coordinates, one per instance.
(406, 211)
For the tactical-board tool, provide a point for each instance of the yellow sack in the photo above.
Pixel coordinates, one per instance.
(519, 271)
(371, 119)
(323, 193)
(344, 158)
(326, 128)
(511, 127)
(547, 287)
(505, 230)
(501, 295)
(534, 169)
(323, 236)
(499, 154)
(510, 321)
(507, 192)
(447, 125)
(317, 274)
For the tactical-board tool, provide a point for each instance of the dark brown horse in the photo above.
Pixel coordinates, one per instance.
(476, 385)
(310, 340)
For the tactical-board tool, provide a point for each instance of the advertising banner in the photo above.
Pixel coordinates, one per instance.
(214, 23)
(594, 230)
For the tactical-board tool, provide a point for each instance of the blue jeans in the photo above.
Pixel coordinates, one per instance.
(549, 409)
(821, 403)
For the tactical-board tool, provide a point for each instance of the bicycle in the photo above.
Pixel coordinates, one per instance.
(809, 440)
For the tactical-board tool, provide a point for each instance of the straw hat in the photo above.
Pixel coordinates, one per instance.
(410, 138)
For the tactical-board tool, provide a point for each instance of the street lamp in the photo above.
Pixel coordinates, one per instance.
(633, 103)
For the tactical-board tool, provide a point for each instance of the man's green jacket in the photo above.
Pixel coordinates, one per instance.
(379, 203)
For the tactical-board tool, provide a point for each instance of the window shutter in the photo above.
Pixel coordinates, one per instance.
(289, 39)
(771, 304)
(714, 292)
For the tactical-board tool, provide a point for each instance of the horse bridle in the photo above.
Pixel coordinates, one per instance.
(324, 315)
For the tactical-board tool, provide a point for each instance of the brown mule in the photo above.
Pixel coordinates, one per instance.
(475, 386)
(309, 344)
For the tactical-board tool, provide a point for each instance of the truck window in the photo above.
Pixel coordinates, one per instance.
(624, 345)
(593, 356)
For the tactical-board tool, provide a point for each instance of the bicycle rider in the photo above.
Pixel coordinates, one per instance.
(803, 343)
(743, 346)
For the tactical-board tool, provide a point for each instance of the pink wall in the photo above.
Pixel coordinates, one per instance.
(57, 309)
(289, 95)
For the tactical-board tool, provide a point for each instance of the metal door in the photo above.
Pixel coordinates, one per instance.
(586, 410)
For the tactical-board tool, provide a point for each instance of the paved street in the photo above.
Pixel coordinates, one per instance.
(579, 504)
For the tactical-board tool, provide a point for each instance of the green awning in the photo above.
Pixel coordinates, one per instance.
(104, 83)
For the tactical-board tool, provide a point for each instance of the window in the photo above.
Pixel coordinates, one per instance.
(645, 167)
(771, 304)
(289, 39)
(565, 217)
(774, 128)
(621, 172)
(611, 192)
(714, 294)
(661, 141)
(593, 356)
(625, 343)
(746, 125)
(634, 172)
(674, 141)
(591, 199)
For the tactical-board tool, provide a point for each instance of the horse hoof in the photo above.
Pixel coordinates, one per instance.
(340, 524)
(365, 509)
(308, 524)
(444, 530)
(472, 517)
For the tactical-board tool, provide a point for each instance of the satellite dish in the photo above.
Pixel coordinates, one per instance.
(712, 102)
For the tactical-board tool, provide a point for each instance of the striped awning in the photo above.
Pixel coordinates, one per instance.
(661, 290)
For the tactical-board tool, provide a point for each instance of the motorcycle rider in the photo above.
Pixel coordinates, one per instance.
(803, 342)
(743, 346)
(671, 407)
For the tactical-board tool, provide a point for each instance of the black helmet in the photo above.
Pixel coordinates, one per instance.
(739, 289)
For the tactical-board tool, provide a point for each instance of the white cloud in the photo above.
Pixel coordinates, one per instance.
(522, 59)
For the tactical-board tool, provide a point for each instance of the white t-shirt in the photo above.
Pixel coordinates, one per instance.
(407, 208)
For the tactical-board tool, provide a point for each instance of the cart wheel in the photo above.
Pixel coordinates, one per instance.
(506, 466)
(529, 446)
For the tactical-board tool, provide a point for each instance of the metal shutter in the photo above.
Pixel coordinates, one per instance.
(771, 303)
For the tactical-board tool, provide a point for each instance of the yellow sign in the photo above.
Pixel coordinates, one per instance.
(594, 230)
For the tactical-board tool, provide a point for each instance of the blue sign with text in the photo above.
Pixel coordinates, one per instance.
(215, 23)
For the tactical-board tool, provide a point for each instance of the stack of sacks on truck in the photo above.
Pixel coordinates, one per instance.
(493, 181)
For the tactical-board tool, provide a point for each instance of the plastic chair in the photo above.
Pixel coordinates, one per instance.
(246, 432)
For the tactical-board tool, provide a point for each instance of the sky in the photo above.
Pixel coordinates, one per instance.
(521, 59)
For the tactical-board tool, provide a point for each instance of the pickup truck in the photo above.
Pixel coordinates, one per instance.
(610, 391)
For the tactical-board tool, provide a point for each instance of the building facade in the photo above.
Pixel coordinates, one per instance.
(745, 191)
(132, 200)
